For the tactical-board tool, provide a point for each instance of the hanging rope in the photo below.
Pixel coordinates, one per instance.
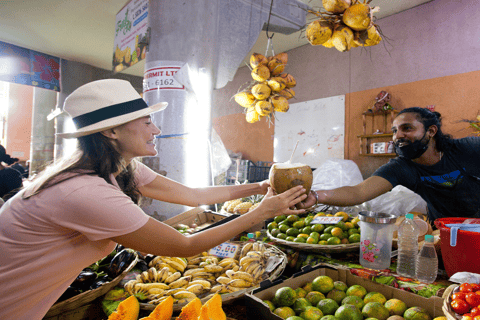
(269, 37)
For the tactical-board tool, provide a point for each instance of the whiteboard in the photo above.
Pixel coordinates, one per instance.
(317, 125)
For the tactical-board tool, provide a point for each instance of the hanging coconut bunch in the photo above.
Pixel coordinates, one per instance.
(270, 89)
(346, 24)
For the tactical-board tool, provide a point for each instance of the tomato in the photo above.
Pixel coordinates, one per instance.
(472, 299)
(459, 295)
(475, 311)
(460, 306)
(466, 287)
(475, 287)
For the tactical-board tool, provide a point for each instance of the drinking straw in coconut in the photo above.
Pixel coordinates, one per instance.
(291, 157)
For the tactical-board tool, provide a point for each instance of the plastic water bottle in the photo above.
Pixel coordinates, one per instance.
(427, 261)
(407, 247)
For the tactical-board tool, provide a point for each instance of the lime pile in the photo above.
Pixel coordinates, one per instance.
(326, 299)
(301, 229)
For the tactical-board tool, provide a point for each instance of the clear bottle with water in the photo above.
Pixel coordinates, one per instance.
(427, 261)
(407, 247)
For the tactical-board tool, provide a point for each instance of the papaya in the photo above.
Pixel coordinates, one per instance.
(163, 311)
(128, 309)
(191, 311)
(212, 309)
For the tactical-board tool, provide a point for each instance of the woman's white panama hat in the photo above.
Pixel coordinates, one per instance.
(105, 104)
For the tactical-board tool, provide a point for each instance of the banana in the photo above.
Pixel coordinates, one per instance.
(258, 272)
(213, 268)
(219, 288)
(152, 274)
(154, 261)
(193, 271)
(212, 258)
(247, 259)
(229, 273)
(163, 264)
(223, 280)
(174, 264)
(226, 261)
(195, 288)
(154, 296)
(251, 267)
(184, 295)
(236, 268)
(145, 277)
(156, 291)
(156, 285)
(202, 274)
(191, 266)
(206, 284)
(195, 260)
(209, 278)
(173, 277)
(242, 276)
(239, 283)
(157, 301)
(171, 292)
(229, 266)
(183, 301)
(254, 254)
(182, 261)
(234, 289)
(129, 286)
(246, 247)
(180, 282)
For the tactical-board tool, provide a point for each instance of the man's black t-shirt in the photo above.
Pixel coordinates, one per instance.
(10, 179)
(450, 187)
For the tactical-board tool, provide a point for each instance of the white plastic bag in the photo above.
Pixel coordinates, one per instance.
(399, 201)
(219, 155)
(335, 173)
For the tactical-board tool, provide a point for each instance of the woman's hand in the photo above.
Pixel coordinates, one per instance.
(275, 205)
(310, 201)
(265, 184)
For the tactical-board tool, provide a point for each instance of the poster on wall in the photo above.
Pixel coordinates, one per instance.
(317, 125)
(28, 67)
(130, 45)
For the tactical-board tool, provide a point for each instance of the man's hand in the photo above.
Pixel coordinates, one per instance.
(310, 201)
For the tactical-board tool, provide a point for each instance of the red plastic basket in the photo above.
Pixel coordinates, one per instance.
(465, 256)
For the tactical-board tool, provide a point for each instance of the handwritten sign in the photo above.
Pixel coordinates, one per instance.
(326, 220)
(225, 250)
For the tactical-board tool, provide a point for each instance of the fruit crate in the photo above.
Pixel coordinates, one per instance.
(260, 310)
(258, 171)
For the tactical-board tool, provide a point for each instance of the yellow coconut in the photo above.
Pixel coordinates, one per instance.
(282, 57)
(369, 37)
(342, 38)
(245, 99)
(252, 116)
(290, 81)
(328, 43)
(280, 103)
(276, 66)
(261, 91)
(263, 108)
(257, 59)
(358, 17)
(318, 32)
(287, 93)
(336, 6)
(277, 83)
(284, 176)
(261, 73)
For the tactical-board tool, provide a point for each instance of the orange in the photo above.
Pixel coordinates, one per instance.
(337, 232)
(322, 284)
(342, 214)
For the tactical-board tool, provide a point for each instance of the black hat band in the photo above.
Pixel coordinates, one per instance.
(109, 112)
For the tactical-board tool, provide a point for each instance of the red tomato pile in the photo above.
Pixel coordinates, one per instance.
(466, 301)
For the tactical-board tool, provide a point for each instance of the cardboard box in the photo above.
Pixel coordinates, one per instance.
(259, 310)
(203, 218)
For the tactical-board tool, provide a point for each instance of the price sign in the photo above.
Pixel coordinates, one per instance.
(225, 250)
(326, 220)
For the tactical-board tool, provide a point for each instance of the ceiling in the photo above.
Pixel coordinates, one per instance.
(83, 31)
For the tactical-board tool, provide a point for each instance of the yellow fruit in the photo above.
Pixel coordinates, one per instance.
(280, 103)
(342, 214)
(342, 38)
(252, 116)
(242, 208)
(277, 83)
(260, 73)
(318, 32)
(336, 6)
(263, 108)
(282, 57)
(276, 66)
(261, 91)
(369, 37)
(287, 93)
(245, 99)
(290, 81)
(233, 204)
(257, 59)
(254, 206)
(358, 17)
(328, 43)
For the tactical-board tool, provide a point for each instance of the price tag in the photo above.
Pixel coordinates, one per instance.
(326, 220)
(225, 250)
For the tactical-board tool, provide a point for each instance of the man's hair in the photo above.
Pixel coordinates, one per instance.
(429, 118)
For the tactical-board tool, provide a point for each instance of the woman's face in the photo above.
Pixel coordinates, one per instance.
(136, 138)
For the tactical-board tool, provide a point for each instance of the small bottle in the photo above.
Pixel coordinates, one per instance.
(427, 261)
(407, 247)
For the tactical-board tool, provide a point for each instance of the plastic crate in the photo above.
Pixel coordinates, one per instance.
(258, 172)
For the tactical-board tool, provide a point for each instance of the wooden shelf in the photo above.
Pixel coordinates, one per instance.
(366, 139)
(375, 135)
(378, 155)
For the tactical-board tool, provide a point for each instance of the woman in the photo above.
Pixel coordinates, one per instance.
(76, 211)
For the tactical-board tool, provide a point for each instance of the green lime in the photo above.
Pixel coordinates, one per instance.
(301, 293)
(283, 228)
(300, 240)
(285, 296)
(308, 220)
(269, 304)
(318, 227)
(290, 238)
(293, 218)
(323, 242)
(314, 296)
(374, 297)
(325, 236)
(315, 235)
(292, 232)
(348, 312)
(323, 284)
(336, 295)
(299, 224)
(311, 313)
(274, 232)
(356, 290)
(328, 306)
(303, 235)
(352, 231)
(272, 225)
(375, 310)
(280, 218)
(356, 301)
(284, 312)
(341, 225)
(282, 236)
(340, 285)
(328, 229)
(333, 241)
(311, 240)
(300, 304)
(307, 230)
(354, 238)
